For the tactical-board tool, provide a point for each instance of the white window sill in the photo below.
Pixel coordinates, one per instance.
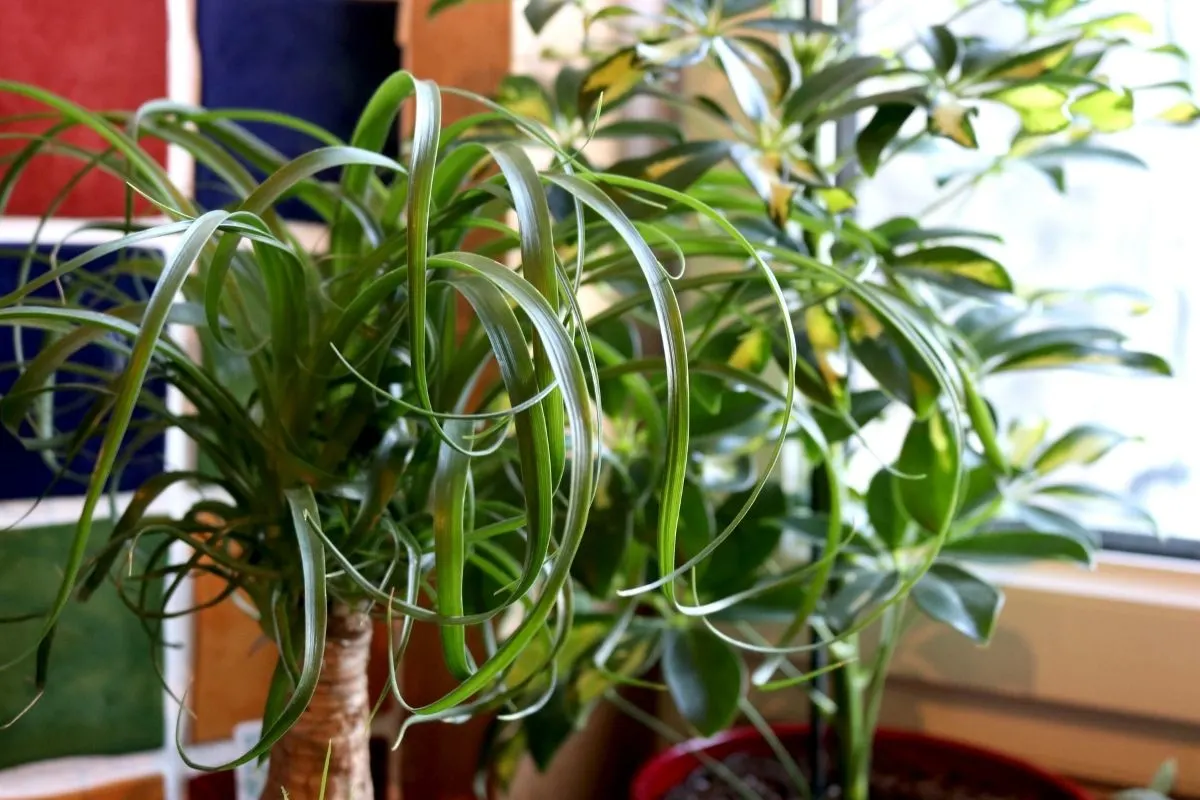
(1090, 674)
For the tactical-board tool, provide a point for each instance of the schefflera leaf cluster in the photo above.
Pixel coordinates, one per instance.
(906, 322)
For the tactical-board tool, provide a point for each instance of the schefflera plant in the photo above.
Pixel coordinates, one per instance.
(902, 318)
(358, 407)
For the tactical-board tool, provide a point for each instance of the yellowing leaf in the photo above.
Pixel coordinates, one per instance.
(1042, 121)
(837, 199)
(1031, 95)
(1040, 106)
(1123, 22)
(1034, 63)
(1083, 445)
(753, 351)
(953, 121)
(523, 95)
(948, 261)
(1181, 113)
(825, 338)
(657, 169)
(614, 77)
(822, 331)
(1024, 440)
(779, 206)
(806, 171)
(1108, 111)
(864, 324)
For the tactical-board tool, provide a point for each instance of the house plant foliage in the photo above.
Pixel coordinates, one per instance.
(398, 423)
(904, 321)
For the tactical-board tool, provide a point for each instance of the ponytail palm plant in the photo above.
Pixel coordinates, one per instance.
(402, 423)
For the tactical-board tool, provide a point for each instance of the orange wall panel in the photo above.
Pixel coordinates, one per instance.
(233, 666)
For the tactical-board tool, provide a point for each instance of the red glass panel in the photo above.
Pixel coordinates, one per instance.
(105, 56)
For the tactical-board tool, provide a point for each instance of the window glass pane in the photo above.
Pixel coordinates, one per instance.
(1116, 224)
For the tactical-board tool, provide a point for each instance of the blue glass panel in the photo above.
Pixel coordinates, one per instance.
(319, 60)
(26, 474)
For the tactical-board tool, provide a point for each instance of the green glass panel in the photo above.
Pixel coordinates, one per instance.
(103, 695)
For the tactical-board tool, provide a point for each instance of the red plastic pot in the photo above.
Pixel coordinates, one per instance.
(671, 768)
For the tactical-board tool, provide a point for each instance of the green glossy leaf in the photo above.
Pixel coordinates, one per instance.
(1001, 344)
(829, 84)
(609, 532)
(1173, 50)
(863, 589)
(567, 85)
(1018, 545)
(765, 56)
(736, 562)
(942, 47)
(952, 595)
(549, 729)
(1046, 520)
(705, 678)
(635, 128)
(1066, 353)
(932, 453)
(888, 518)
(1055, 155)
(919, 235)
(865, 406)
(538, 13)
(1057, 177)
(1091, 497)
(614, 12)
(881, 131)
(792, 25)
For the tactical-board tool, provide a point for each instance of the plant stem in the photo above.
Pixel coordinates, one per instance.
(859, 696)
(335, 724)
(854, 734)
(892, 628)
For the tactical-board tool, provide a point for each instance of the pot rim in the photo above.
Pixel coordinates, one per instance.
(646, 783)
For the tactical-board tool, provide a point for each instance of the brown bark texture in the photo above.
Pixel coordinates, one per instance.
(337, 718)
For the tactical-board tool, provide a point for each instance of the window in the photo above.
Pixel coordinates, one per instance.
(1116, 225)
(1068, 680)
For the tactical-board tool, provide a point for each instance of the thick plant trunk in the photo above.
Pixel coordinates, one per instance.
(337, 717)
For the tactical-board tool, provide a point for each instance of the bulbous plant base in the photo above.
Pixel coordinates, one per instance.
(337, 718)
